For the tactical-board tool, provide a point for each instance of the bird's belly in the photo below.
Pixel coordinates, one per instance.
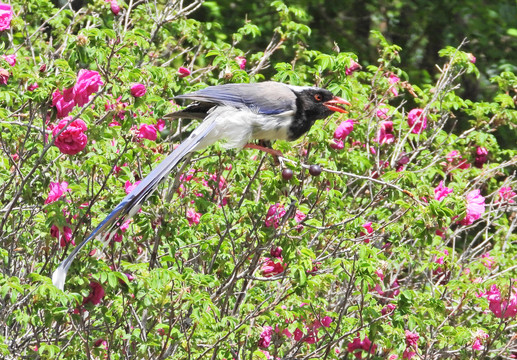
(271, 127)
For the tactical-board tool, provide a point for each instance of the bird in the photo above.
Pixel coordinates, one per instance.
(235, 114)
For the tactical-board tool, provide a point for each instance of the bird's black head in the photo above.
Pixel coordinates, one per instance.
(313, 104)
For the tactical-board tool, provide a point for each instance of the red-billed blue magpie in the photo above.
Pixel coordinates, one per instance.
(235, 114)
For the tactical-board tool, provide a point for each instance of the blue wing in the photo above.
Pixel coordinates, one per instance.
(269, 98)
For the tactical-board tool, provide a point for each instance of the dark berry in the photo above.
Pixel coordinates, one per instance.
(315, 170)
(287, 174)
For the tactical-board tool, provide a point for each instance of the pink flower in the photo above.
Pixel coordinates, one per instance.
(361, 345)
(380, 274)
(62, 104)
(506, 194)
(11, 59)
(477, 345)
(73, 139)
(138, 90)
(326, 321)
(33, 87)
(115, 7)
(160, 124)
(57, 190)
(87, 83)
(337, 144)
(368, 227)
(411, 344)
(147, 131)
(456, 160)
(344, 129)
(417, 121)
(130, 187)
(6, 15)
(271, 268)
(241, 61)
(385, 133)
(183, 71)
(265, 337)
(487, 260)
(475, 207)
(354, 66)
(388, 309)
(501, 308)
(441, 191)
(193, 217)
(481, 157)
(382, 112)
(4, 76)
(472, 58)
(299, 217)
(96, 294)
(276, 251)
(411, 339)
(275, 213)
(393, 79)
(298, 334)
(64, 235)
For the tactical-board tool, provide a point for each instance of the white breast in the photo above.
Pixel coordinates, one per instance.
(236, 127)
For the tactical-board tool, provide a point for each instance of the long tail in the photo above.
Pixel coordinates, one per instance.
(134, 200)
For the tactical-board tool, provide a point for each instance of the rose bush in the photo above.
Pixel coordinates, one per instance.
(387, 232)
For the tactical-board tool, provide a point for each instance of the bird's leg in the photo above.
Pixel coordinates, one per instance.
(267, 148)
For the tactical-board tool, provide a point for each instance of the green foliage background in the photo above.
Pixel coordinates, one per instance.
(198, 290)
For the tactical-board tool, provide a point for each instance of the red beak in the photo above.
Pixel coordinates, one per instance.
(333, 104)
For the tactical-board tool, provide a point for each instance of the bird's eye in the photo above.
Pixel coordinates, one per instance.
(318, 97)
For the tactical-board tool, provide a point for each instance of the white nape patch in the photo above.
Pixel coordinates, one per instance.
(299, 89)
(236, 127)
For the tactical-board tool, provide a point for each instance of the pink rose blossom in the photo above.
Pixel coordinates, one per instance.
(6, 15)
(128, 187)
(57, 190)
(344, 129)
(73, 139)
(241, 61)
(487, 260)
(275, 213)
(33, 87)
(183, 71)
(382, 112)
(160, 125)
(138, 90)
(393, 79)
(88, 82)
(481, 157)
(115, 7)
(385, 133)
(276, 251)
(506, 195)
(271, 268)
(477, 345)
(354, 66)
(96, 294)
(368, 227)
(501, 308)
(193, 217)
(4, 76)
(326, 321)
(364, 345)
(147, 131)
(441, 191)
(472, 58)
(417, 121)
(337, 144)
(11, 59)
(64, 235)
(475, 207)
(265, 337)
(63, 106)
